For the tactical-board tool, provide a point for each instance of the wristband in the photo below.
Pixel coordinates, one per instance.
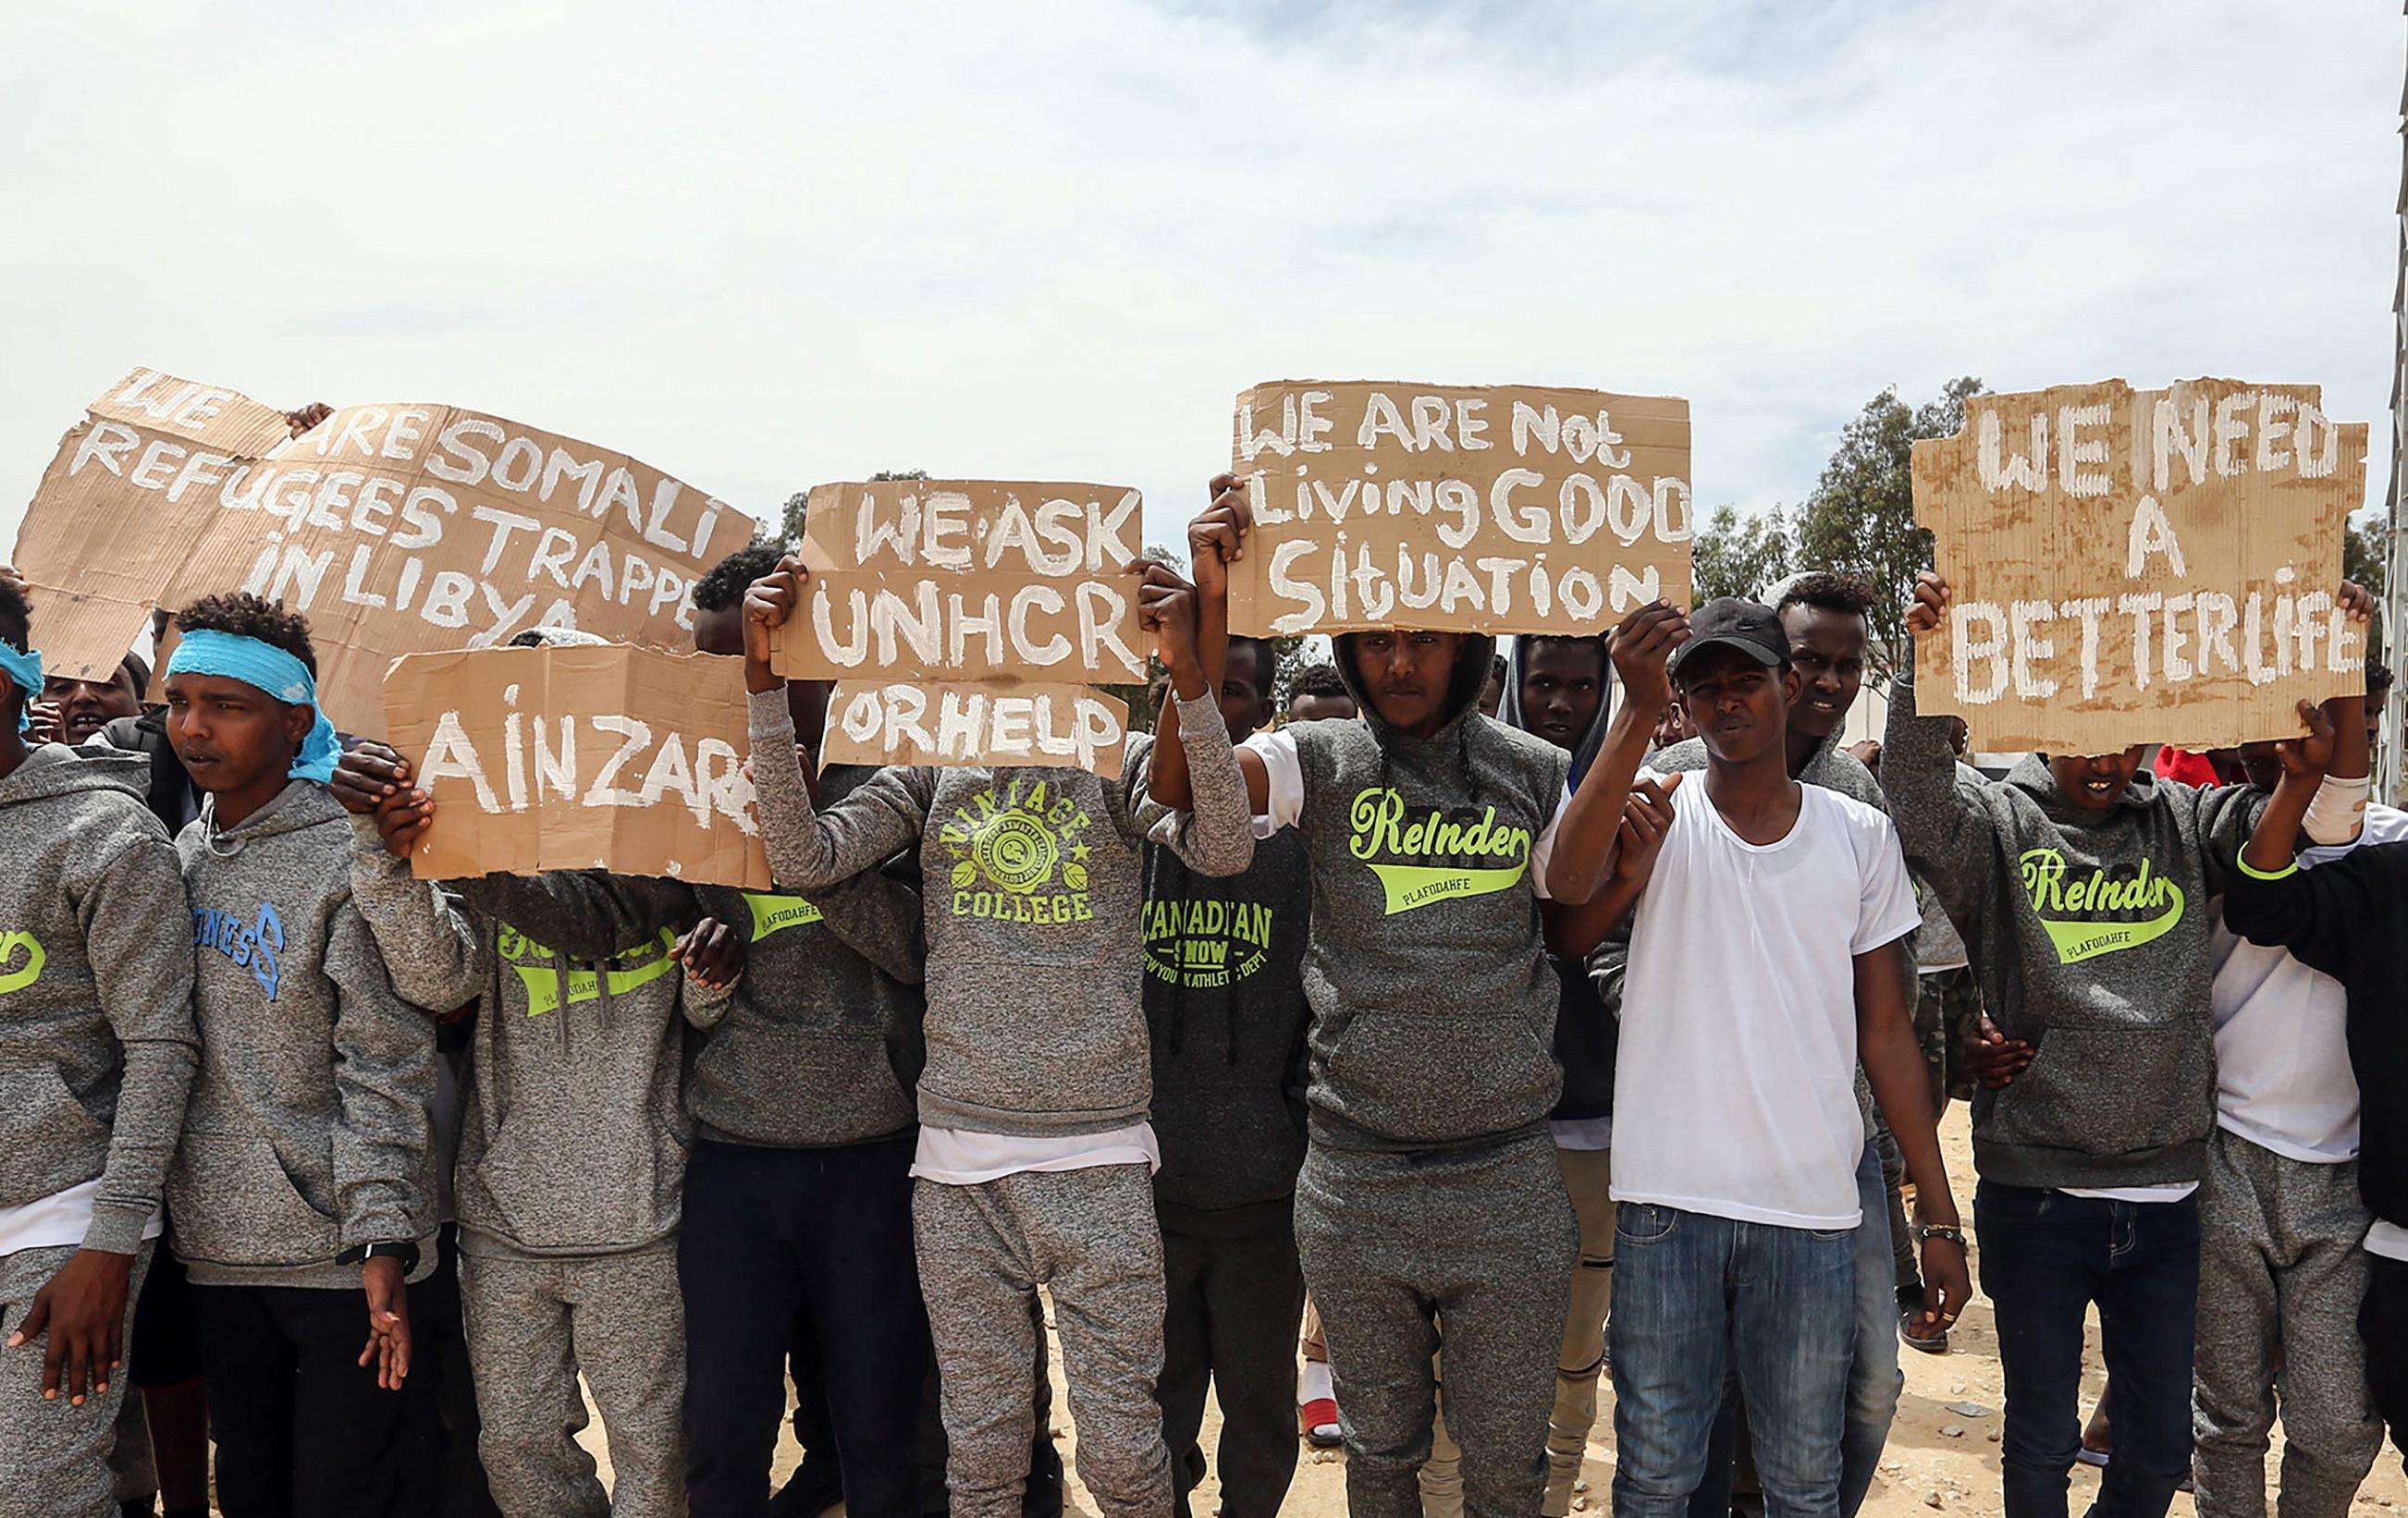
(2289, 869)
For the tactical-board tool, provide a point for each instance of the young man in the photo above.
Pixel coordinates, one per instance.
(1318, 693)
(2280, 1271)
(1721, 1259)
(1824, 618)
(304, 1181)
(2090, 1159)
(96, 1058)
(72, 710)
(1225, 1007)
(1431, 1188)
(1555, 689)
(2346, 919)
(571, 1166)
(1034, 1151)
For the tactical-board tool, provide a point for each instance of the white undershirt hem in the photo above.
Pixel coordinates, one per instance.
(958, 1157)
(58, 1220)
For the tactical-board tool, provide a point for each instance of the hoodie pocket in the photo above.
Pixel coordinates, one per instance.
(232, 1202)
(794, 1083)
(48, 1140)
(1425, 1079)
(564, 1185)
(2106, 1092)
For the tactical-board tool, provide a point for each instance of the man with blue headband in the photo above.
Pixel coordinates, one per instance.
(305, 1178)
(96, 1057)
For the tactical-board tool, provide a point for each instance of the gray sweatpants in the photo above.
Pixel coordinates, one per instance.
(532, 1327)
(54, 1455)
(1091, 1236)
(2280, 1279)
(1391, 1242)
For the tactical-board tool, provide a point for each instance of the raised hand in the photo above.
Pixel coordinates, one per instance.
(1167, 608)
(1930, 603)
(1642, 647)
(712, 954)
(2311, 754)
(1216, 538)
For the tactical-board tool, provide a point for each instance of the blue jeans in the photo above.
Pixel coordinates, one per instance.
(1696, 1296)
(2046, 1257)
(1874, 1380)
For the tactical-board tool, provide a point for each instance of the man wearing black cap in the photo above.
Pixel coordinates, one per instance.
(1767, 938)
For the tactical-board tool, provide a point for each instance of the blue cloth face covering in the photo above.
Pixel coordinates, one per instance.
(276, 674)
(24, 671)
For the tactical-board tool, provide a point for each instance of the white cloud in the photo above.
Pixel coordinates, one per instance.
(764, 247)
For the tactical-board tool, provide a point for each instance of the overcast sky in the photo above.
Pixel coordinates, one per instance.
(762, 246)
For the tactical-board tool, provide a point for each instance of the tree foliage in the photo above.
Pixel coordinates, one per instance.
(1737, 554)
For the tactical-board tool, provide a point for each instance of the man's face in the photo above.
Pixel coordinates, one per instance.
(1672, 727)
(1406, 675)
(1739, 706)
(1563, 684)
(2257, 764)
(1826, 648)
(722, 632)
(2375, 717)
(1309, 709)
(1245, 694)
(86, 707)
(2096, 781)
(231, 735)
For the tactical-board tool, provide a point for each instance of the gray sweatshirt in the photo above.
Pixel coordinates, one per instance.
(96, 1041)
(1433, 1003)
(308, 1133)
(2090, 936)
(1036, 1023)
(818, 1044)
(572, 1142)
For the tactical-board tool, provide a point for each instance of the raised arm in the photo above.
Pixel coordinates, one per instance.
(1948, 842)
(1214, 832)
(1575, 932)
(1585, 833)
(1215, 541)
(2325, 916)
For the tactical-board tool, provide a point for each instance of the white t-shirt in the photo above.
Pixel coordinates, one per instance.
(1735, 1081)
(1283, 800)
(957, 1157)
(55, 1220)
(2282, 1079)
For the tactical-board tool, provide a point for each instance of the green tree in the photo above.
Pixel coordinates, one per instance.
(1740, 555)
(1860, 518)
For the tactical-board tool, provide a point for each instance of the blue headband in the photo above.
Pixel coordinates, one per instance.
(275, 673)
(24, 671)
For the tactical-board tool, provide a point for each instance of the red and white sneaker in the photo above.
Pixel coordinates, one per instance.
(1316, 1413)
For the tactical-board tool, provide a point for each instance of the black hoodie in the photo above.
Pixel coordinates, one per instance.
(1433, 1005)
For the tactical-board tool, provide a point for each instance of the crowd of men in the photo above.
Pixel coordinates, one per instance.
(1591, 1037)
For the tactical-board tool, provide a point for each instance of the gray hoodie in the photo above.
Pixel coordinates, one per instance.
(818, 1044)
(2090, 936)
(572, 1143)
(308, 1133)
(1433, 1004)
(1036, 1023)
(96, 1041)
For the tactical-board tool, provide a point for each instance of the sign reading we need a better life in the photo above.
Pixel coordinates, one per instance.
(966, 621)
(2139, 566)
(1454, 508)
(395, 529)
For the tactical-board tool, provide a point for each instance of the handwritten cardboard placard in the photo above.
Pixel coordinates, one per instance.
(2139, 566)
(395, 529)
(1455, 509)
(998, 723)
(593, 757)
(964, 618)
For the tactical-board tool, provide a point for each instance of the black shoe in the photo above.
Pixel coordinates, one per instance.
(816, 1485)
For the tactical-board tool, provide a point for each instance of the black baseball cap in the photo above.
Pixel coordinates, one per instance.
(1727, 622)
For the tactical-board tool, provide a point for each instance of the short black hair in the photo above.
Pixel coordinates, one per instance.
(16, 618)
(245, 615)
(1318, 680)
(1266, 660)
(1585, 641)
(2378, 676)
(137, 668)
(1850, 596)
(725, 583)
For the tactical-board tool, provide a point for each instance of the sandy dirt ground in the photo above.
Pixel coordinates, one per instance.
(1943, 1450)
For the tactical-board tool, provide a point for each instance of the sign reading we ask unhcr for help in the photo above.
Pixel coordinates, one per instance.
(965, 621)
(1455, 508)
(2139, 566)
(395, 529)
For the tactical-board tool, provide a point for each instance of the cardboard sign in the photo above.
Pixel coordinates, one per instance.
(395, 529)
(965, 617)
(2139, 566)
(999, 722)
(1452, 509)
(596, 757)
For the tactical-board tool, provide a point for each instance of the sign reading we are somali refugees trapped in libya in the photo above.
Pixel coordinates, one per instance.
(1455, 508)
(2140, 565)
(395, 529)
(965, 621)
